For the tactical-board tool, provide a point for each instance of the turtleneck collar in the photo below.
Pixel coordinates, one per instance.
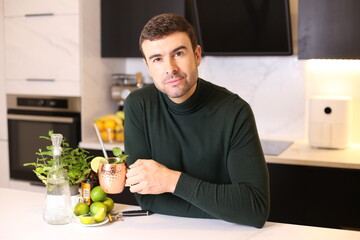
(193, 103)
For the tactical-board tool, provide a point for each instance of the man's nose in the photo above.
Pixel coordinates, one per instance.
(171, 66)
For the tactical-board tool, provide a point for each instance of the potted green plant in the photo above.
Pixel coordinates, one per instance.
(74, 160)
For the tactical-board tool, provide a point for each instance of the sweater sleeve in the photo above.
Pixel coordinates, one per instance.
(245, 200)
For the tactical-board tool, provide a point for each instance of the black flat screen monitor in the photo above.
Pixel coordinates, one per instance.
(244, 27)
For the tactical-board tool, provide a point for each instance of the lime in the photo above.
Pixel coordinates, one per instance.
(87, 219)
(100, 215)
(95, 163)
(97, 194)
(109, 204)
(96, 207)
(81, 209)
(121, 115)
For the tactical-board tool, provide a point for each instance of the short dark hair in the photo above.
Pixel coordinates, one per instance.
(165, 24)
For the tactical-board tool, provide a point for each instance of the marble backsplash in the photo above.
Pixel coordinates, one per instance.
(273, 86)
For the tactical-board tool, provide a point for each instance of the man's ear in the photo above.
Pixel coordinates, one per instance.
(198, 55)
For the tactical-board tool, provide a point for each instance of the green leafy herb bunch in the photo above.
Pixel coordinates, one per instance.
(74, 161)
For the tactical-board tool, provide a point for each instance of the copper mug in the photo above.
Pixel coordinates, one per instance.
(112, 176)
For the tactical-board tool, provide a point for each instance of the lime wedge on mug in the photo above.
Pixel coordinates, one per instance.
(95, 163)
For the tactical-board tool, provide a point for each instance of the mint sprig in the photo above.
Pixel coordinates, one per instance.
(119, 154)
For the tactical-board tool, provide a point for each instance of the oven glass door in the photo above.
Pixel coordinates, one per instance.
(24, 141)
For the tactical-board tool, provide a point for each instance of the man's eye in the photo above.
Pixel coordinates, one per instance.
(179, 54)
(156, 59)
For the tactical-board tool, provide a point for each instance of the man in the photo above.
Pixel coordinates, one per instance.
(194, 147)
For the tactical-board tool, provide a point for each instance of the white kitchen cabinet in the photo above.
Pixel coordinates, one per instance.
(24, 7)
(42, 52)
(3, 129)
(3, 124)
(4, 164)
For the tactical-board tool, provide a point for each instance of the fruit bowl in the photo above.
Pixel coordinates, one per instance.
(111, 127)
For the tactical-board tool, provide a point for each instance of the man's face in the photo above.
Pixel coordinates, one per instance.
(172, 64)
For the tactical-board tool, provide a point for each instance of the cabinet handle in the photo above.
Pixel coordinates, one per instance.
(40, 118)
(39, 14)
(40, 80)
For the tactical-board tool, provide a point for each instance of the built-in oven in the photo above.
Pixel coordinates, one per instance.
(30, 117)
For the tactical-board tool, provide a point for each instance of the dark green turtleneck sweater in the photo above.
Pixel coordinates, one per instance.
(212, 139)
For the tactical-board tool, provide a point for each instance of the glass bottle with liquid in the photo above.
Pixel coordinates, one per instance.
(87, 186)
(57, 208)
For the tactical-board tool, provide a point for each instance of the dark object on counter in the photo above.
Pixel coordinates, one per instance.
(118, 216)
(274, 147)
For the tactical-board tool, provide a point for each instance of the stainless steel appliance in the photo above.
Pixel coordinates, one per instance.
(32, 116)
(124, 84)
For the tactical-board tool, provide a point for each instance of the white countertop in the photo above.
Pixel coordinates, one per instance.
(299, 153)
(95, 144)
(21, 218)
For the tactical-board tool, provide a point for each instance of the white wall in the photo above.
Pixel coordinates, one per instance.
(96, 70)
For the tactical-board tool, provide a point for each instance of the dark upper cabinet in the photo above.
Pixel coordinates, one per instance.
(227, 27)
(123, 20)
(329, 29)
(244, 28)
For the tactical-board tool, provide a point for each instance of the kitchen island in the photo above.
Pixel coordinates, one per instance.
(21, 218)
(308, 186)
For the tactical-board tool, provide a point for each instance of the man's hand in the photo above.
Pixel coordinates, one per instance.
(150, 177)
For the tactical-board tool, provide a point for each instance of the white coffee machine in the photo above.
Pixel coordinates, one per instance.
(329, 122)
